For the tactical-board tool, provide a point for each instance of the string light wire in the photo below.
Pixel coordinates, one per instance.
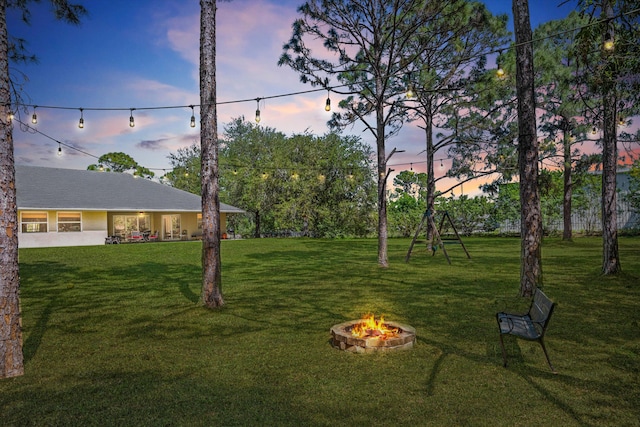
(289, 94)
(333, 88)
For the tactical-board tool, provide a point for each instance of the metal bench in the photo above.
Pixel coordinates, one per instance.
(530, 326)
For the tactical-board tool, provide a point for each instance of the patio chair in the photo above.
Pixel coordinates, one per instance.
(136, 236)
(530, 326)
(153, 237)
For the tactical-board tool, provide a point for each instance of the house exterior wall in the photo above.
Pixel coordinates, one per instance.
(93, 231)
(96, 226)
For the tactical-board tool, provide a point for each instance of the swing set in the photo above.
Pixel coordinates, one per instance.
(435, 240)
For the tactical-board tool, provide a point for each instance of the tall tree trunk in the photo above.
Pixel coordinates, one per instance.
(383, 260)
(431, 179)
(531, 218)
(211, 262)
(11, 356)
(610, 255)
(567, 230)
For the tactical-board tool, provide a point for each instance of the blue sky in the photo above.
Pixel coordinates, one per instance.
(145, 53)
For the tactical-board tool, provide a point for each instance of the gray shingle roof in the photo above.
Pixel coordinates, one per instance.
(72, 189)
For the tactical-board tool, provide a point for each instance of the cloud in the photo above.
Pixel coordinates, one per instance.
(154, 145)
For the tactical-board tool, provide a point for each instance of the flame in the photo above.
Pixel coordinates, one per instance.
(369, 327)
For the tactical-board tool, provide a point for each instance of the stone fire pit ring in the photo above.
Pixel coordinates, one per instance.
(342, 339)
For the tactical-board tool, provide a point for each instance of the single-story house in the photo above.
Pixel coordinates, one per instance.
(68, 207)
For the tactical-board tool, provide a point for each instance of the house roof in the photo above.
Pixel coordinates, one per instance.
(72, 189)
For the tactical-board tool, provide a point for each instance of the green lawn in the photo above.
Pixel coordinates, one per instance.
(114, 335)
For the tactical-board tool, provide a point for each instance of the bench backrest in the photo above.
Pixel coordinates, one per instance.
(540, 310)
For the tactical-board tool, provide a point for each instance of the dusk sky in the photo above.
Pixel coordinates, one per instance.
(145, 53)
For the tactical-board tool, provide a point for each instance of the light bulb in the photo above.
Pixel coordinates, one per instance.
(327, 106)
(59, 150)
(34, 118)
(81, 121)
(499, 69)
(132, 122)
(409, 92)
(594, 130)
(193, 118)
(608, 43)
(258, 110)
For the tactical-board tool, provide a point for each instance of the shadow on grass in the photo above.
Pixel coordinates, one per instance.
(111, 330)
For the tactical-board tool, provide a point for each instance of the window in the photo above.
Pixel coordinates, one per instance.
(123, 225)
(69, 221)
(199, 221)
(34, 222)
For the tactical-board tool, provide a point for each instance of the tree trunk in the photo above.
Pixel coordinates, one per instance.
(610, 255)
(567, 230)
(211, 263)
(11, 356)
(431, 179)
(530, 214)
(383, 260)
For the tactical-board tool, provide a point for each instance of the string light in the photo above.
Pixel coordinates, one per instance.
(441, 164)
(132, 122)
(193, 118)
(621, 121)
(81, 121)
(34, 117)
(594, 130)
(327, 106)
(499, 70)
(499, 51)
(258, 110)
(409, 93)
(608, 42)
(321, 177)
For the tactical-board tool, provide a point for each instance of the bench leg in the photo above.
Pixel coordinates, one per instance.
(544, 349)
(504, 353)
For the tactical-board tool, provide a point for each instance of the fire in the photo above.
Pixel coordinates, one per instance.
(372, 328)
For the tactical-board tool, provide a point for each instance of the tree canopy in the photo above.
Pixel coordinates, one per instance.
(120, 162)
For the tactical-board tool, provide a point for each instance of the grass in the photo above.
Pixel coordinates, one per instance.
(114, 335)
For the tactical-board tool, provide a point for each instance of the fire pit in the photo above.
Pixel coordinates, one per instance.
(370, 335)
